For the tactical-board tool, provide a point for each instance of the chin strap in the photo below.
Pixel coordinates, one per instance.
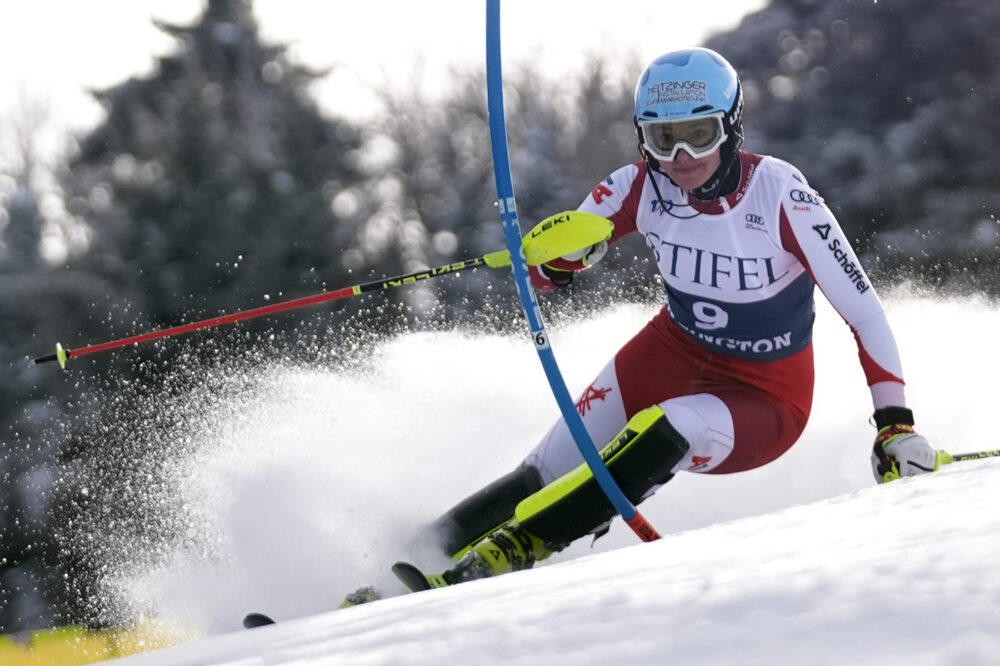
(726, 182)
(651, 166)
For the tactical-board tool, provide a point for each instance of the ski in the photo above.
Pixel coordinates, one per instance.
(413, 578)
(416, 580)
(360, 596)
(254, 620)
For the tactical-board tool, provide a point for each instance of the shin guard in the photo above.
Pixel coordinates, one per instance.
(641, 457)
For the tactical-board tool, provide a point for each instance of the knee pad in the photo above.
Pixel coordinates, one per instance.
(483, 512)
(641, 457)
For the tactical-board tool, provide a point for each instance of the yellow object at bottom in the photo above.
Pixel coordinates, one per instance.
(70, 646)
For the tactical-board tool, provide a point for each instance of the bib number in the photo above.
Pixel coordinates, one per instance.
(709, 316)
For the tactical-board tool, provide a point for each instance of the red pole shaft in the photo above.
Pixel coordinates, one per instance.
(490, 260)
(217, 321)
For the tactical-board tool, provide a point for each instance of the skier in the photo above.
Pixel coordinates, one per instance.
(721, 379)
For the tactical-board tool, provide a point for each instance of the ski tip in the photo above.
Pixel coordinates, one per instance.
(412, 577)
(254, 620)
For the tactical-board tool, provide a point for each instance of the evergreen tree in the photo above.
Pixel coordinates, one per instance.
(212, 183)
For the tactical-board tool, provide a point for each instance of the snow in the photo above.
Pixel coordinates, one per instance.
(315, 484)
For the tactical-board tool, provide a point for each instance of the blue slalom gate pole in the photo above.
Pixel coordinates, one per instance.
(512, 233)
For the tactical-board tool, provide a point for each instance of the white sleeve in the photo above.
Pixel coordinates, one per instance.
(811, 232)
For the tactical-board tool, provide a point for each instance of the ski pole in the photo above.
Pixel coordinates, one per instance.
(948, 458)
(551, 238)
(492, 260)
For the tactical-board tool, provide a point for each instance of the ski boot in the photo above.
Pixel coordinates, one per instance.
(507, 549)
(510, 548)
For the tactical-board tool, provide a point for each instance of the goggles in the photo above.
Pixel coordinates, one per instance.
(698, 136)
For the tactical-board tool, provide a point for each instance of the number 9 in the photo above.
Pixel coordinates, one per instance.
(709, 316)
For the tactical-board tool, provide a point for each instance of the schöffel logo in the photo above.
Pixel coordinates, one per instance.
(805, 197)
(823, 230)
(844, 256)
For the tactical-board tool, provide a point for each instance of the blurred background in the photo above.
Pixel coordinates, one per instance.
(238, 153)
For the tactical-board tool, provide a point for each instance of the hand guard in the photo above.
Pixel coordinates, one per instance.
(899, 452)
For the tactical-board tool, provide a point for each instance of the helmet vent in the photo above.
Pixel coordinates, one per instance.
(703, 107)
(649, 114)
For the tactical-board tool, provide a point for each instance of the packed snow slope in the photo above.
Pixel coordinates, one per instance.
(904, 574)
(317, 482)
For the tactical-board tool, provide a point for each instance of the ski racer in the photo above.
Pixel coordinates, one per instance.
(721, 379)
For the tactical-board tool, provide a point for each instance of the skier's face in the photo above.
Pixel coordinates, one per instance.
(690, 173)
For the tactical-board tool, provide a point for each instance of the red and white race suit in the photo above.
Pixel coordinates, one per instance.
(729, 358)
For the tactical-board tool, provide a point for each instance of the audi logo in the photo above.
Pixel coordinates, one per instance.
(754, 219)
(805, 197)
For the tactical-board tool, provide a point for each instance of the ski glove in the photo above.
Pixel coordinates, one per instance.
(899, 451)
(587, 257)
